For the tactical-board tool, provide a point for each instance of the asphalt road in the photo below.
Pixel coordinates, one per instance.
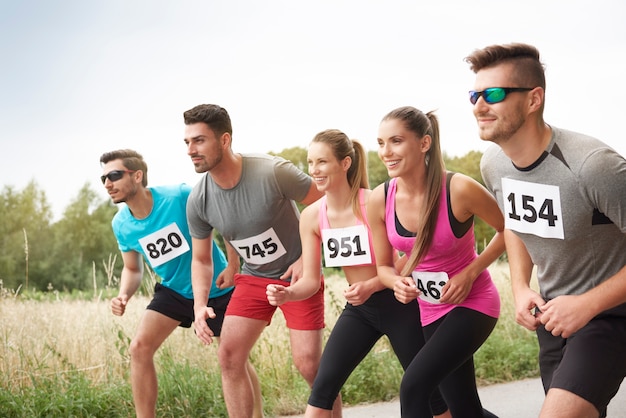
(521, 399)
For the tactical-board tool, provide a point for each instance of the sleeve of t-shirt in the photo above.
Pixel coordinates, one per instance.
(198, 227)
(488, 172)
(293, 182)
(603, 176)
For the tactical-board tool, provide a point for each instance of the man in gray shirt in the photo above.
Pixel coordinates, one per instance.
(563, 195)
(250, 199)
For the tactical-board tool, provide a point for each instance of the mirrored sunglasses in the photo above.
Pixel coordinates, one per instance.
(494, 94)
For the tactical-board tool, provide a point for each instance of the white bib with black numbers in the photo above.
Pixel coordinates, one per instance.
(260, 249)
(532, 208)
(164, 245)
(346, 246)
(430, 283)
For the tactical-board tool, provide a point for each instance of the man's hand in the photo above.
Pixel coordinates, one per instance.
(277, 294)
(566, 314)
(525, 302)
(294, 271)
(226, 278)
(118, 305)
(203, 332)
(405, 290)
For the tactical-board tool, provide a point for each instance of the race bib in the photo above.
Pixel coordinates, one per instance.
(260, 249)
(532, 208)
(346, 246)
(430, 284)
(164, 245)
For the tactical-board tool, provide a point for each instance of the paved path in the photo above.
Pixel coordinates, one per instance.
(521, 399)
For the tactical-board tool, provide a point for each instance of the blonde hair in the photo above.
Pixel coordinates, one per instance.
(343, 147)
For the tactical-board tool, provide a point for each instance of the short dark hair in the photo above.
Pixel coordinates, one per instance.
(131, 159)
(216, 118)
(529, 71)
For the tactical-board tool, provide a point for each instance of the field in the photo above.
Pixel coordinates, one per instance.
(62, 356)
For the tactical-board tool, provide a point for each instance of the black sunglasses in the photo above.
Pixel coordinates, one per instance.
(115, 175)
(494, 94)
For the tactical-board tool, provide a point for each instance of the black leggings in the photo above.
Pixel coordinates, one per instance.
(355, 333)
(446, 361)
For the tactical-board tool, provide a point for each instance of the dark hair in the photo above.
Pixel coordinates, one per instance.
(131, 159)
(528, 69)
(343, 147)
(424, 124)
(216, 118)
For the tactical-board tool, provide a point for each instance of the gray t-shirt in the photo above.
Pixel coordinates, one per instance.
(258, 216)
(569, 208)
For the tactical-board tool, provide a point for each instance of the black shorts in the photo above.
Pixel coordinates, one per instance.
(173, 305)
(591, 363)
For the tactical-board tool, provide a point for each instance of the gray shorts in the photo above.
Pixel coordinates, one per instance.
(591, 363)
(173, 305)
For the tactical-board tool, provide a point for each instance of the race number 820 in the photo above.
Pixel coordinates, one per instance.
(164, 245)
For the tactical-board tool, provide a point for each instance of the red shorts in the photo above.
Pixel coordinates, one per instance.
(250, 301)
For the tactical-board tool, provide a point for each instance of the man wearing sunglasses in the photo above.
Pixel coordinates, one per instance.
(250, 199)
(152, 226)
(563, 195)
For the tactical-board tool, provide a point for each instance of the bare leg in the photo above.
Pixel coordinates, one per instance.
(238, 336)
(153, 329)
(256, 389)
(306, 350)
(561, 403)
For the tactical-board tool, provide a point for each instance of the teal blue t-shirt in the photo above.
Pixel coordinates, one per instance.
(164, 241)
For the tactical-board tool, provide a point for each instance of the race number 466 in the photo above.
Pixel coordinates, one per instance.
(430, 284)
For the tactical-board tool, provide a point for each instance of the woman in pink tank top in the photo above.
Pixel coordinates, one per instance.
(428, 214)
(338, 224)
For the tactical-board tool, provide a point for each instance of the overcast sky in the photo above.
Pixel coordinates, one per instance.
(79, 78)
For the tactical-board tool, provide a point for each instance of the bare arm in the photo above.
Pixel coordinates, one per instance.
(310, 281)
(312, 195)
(130, 281)
(227, 277)
(468, 198)
(403, 287)
(201, 279)
(521, 266)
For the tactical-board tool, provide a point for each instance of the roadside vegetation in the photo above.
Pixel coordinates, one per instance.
(65, 354)
(62, 352)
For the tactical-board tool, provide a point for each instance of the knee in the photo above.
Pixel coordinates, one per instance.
(413, 386)
(307, 366)
(231, 359)
(140, 349)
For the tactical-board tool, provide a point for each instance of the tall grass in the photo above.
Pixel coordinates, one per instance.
(62, 356)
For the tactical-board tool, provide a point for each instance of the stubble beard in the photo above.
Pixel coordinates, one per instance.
(206, 166)
(504, 130)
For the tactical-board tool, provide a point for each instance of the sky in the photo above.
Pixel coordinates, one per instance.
(79, 78)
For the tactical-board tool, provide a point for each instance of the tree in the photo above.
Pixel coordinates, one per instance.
(82, 237)
(24, 234)
(376, 170)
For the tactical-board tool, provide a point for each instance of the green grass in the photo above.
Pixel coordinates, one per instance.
(66, 355)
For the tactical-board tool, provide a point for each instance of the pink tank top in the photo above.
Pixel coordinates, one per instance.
(325, 224)
(447, 254)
